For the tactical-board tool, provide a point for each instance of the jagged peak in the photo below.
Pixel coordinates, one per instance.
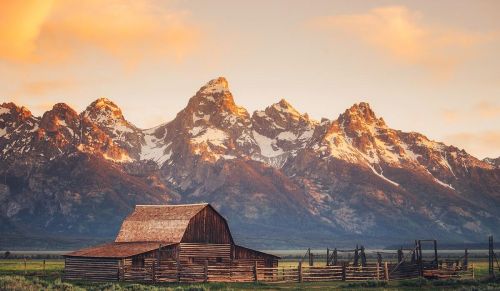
(106, 105)
(63, 108)
(284, 106)
(361, 112)
(103, 102)
(215, 97)
(8, 107)
(218, 85)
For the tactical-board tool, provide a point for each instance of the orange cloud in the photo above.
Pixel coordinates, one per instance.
(483, 144)
(20, 24)
(128, 30)
(400, 33)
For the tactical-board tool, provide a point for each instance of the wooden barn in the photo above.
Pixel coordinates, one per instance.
(169, 243)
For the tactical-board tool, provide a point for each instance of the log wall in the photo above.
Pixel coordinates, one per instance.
(92, 269)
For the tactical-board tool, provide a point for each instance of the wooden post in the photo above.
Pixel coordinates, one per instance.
(378, 271)
(386, 271)
(356, 256)
(159, 255)
(466, 260)
(327, 257)
(153, 275)
(178, 263)
(419, 258)
(24, 265)
(435, 253)
(363, 256)
(205, 270)
(120, 270)
(309, 255)
(255, 275)
(344, 267)
(473, 274)
(335, 257)
(491, 268)
(312, 260)
(44, 267)
(300, 272)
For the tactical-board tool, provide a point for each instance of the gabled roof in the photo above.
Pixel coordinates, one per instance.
(158, 223)
(116, 250)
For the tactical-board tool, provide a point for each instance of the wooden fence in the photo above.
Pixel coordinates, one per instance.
(244, 272)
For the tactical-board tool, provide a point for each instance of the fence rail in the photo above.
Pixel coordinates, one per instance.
(249, 273)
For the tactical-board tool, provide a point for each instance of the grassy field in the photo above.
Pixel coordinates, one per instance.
(13, 276)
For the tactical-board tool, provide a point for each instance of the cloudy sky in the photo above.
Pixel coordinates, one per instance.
(426, 66)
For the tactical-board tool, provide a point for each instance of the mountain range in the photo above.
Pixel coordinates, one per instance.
(282, 179)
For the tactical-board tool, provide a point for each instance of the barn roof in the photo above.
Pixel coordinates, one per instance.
(116, 250)
(158, 223)
(257, 252)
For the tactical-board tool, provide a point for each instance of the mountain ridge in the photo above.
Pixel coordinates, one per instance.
(274, 172)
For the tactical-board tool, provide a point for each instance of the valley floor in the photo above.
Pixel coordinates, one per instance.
(14, 276)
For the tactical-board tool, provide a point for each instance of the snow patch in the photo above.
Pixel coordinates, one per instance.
(266, 145)
(286, 135)
(124, 158)
(382, 176)
(214, 136)
(151, 150)
(443, 183)
(4, 110)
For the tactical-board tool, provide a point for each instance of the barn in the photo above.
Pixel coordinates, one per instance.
(190, 242)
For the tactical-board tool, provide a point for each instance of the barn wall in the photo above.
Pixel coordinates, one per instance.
(198, 253)
(92, 269)
(207, 226)
(244, 254)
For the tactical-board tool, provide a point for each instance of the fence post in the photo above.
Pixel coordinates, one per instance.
(153, 275)
(344, 267)
(378, 271)
(300, 272)
(491, 252)
(24, 265)
(386, 271)
(255, 277)
(473, 274)
(44, 267)
(178, 269)
(205, 269)
(465, 264)
(327, 257)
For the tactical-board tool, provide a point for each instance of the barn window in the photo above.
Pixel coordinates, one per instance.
(218, 260)
(138, 262)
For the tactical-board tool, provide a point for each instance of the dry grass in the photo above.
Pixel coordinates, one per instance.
(12, 278)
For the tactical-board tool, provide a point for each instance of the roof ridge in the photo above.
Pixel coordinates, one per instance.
(169, 205)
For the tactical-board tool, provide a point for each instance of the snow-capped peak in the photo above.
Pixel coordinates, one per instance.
(359, 114)
(218, 85)
(104, 107)
(284, 107)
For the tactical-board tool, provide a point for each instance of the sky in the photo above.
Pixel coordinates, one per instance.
(426, 66)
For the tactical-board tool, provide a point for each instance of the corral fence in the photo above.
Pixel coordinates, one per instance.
(244, 272)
